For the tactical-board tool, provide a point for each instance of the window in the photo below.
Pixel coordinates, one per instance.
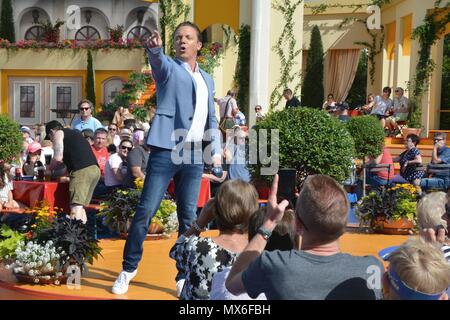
(63, 100)
(87, 34)
(35, 33)
(139, 33)
(27, 102)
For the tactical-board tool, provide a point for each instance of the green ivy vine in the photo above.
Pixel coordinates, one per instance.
(286, 41)
(426, 34)
(171, 10)
(374, 48)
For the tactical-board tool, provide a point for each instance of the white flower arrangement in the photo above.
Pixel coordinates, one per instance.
(35, 259)
(171, 224)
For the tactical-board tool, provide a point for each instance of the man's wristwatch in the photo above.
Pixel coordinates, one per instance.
(264, 232)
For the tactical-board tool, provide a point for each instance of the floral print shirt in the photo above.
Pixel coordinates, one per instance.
(198, 260)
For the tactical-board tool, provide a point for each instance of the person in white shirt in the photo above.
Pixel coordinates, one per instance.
(381, 106)
(113, 173)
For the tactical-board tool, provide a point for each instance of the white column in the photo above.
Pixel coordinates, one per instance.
(259, 58)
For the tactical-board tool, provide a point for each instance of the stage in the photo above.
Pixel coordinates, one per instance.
(156, 274)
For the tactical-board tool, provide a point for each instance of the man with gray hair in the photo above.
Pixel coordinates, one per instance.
(440, 156)
(318, 270)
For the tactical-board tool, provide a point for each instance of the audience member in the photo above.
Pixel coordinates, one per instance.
(239, 118)
(381, 105)
(86, 120)
(113, 134)
(6, 187)
(400, 112)
(197, 258)
(330, 105)
(284, 238)
(227, 108)
(417, 271)
(321, 218)
(367, 108)
(409, 160)
(136, 163)
(235, 156)
(382, 177)
(441, 155)
(26, 134)
(343, 107)
(259, 113)
(291, 100)
(113, 173)
(33, 162)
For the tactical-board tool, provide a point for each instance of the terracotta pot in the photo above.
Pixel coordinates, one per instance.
(155, 228)
(384, 226)
(56, 280)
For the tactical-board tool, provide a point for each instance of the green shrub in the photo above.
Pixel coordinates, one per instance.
(10, 139)
(313, 91)
(368, 136)
(310, 141)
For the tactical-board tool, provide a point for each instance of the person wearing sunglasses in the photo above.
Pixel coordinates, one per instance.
(113, 134)
(86, 120)
(113, 173)
(440, 156)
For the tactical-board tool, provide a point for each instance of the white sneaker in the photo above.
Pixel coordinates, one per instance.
(122, 282)
(180, 285)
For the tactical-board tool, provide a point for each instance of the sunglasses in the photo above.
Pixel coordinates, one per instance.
(112, 129)
(438, 139)
(81, 109)
(128, 148)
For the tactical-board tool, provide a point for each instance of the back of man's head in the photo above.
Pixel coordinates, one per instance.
(287, 91)
(52, 125)
(231, 93)
(440, 135)
(322, 207)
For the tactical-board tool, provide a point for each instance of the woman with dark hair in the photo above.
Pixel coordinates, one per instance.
(409, 160)
(197, 258)
(381, 105)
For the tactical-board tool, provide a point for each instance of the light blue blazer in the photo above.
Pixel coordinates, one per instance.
(176, 98)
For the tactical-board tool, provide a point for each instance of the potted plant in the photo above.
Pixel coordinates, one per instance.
(120, 208)
(309, 141)
(390, 210)
(73, 237)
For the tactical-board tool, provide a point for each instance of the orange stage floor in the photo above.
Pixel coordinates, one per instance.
(156, 273)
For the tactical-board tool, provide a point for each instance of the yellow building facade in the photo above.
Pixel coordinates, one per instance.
(395, 65)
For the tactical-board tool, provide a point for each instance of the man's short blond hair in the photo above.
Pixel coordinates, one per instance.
(430, 210)
(323, 207)
(421, 266)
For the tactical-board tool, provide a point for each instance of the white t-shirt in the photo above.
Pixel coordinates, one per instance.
(113, 162)
(381, 105)
(220, 292)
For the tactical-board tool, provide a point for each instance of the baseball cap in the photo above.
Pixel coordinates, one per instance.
(34, 147)
(51, 125)
(25, 129)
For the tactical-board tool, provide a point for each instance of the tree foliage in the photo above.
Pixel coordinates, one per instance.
(313, 91)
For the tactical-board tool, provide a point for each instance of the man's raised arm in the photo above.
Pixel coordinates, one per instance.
(160, 64)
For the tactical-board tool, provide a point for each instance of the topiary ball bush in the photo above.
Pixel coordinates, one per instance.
(310, 141)
(10, 139)
(368, 136)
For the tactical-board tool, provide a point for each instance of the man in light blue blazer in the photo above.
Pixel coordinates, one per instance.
(185, 96)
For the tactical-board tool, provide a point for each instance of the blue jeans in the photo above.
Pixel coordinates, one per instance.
(375, 181)
(160, 170)
(435, 183)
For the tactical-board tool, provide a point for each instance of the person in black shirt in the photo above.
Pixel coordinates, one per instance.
(291, 100)
(72, 149)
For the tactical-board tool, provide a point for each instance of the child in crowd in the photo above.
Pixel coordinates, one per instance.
(417, 271)
(6, 187)
(33, 162)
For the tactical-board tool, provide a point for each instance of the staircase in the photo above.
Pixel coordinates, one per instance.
(396, 146)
